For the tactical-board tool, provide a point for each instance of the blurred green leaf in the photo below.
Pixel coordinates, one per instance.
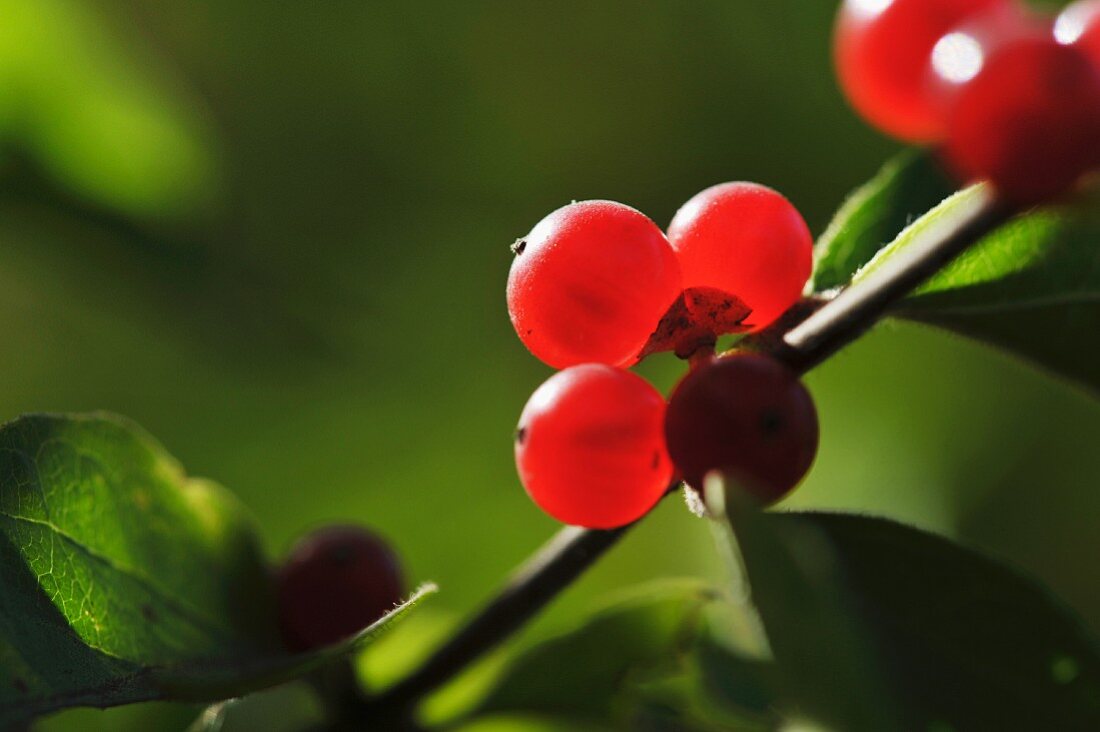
(826, 660)
(968, 642)
(745, 685)
(875, 213)
(585, 674)
(97, 114)
(1031, 287)
(124, 580)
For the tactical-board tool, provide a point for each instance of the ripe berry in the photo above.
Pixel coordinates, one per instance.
(882, 50)
(335, 582)
(1079, 25)
(590, 447)
(590, 283)
(747, 416)
(746, 240)
(1028, 120)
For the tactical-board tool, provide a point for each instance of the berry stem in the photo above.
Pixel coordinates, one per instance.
(856, 309)
(701, 357)
(557, 564)
(531, 587)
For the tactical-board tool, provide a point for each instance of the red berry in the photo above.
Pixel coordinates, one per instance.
(335, 582)
(590, 447)
(590, 283)
(882, 51)
(1079, 25)
(747, 416)
(1028, 120)
(746, 240)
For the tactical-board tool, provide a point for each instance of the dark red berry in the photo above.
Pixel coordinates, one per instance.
(590, 283)
(1079, 25)
(590, 447)
(1028, 120)
(882, 51)
(335, 582)
(747, 416)
(746, 240)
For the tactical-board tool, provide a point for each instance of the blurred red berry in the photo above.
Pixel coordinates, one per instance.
(590, 283)
(1027, 119)
(746, 240)
(335, 582)
(590, 447)
(747, 416)
(882, 50)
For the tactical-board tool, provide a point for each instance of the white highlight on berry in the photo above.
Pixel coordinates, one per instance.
(957, 57)
(1071, 24)
(867, 8)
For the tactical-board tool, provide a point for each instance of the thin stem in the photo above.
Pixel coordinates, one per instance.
(856, 309)
(829, 328)
(553, 568)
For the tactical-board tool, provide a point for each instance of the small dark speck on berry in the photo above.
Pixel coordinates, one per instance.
(521, 435)
(518, 246)
(771, 423)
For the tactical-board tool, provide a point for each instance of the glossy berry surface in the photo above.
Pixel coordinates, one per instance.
(1079, 25)
(747, 416)
(590, 283)
(335, 582)
(882, 50)
(748, 241)
(590, 447)
(1028, 121)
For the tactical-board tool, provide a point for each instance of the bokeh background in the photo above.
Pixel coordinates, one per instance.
(276, 234)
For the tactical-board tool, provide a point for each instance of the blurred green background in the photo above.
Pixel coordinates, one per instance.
(276, 234)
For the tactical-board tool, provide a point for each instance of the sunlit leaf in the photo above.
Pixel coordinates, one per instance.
(875, 213)
(124, 580)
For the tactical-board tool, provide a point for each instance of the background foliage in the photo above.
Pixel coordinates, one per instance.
(275, 235)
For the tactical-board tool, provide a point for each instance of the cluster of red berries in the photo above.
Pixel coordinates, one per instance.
(335, 582)
(1009, 96)
(592, 286)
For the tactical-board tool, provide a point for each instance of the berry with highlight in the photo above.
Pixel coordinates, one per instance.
(1028, 121)
(590, 283)
(590, 447)
(882, 50)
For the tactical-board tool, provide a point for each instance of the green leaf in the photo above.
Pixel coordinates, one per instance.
(124, 580)
(1031, 287)
(827, 664)
(583, 675)
(905, 188)
(744, 685)
(968, 642)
